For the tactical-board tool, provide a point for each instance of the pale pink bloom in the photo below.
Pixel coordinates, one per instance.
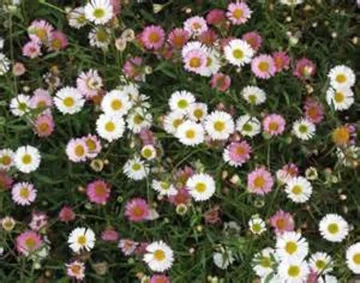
(195, 60)
(127, 246)
(220, 81)
(254, 39)
(282, 222)
(215, 17)
(153, 37)
(147, 137)
(32, 49)
(89, 83)
(76, 150)
(274, 124)
(38, 221)
(110, 235)
(287, 172)
(159, 278)
(304, 69)
(263, 66)
(66, 214)
(40, 30)
(238, 13)
(23, 193)
(18, 69)
(93, 145)
(195, 25)
(282, 61)
(182, 197)
(44, 125)
(178, 37)
(76, 269)
(41, 100)
(137, 210)
(314, 111)
(28, 242)
(58, 41)
(208, 37)
(141, 248)
(98, 192)
(237, 153)
(260, 181)
(133, 69)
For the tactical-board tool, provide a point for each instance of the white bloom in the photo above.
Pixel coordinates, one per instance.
(341, 76)
(264, 261)
(181, 101)
(219, 125)
(20, 105)
(100, 37)
(201, 186)
(81, 238)
(148, 152)
(76, 18)
(321, 263)
(197, 112)
(139, 119)
(333, 228)
(172, 121)
(135, 169)
(348, 155)
(294, 270)
(115, 102)
(291, 245)
(69, 100)
(213, 63)
(327, 279)
(238, 52)
(6, 159)
(253, 95)
(298, 189)
(4, 64)
(190, 133)
(303, 129)
(195, 25)
(27, 159)
(159, 256)
(353, 258)
(23, 193)
(223, 260)
(257, 225)
(110, 127)
(341, 98)
(248, 126)
(99, 11)
(164, 188)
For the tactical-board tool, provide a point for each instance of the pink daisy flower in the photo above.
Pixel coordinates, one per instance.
(40, 30)
(237, 153)
(141, 248)
(282, 61)
(38, 221)
(304, 69)
(93, 145)
(274, 124)
(215, 17)
(263, 66)
(110, 235)
(147, 137)
(76, 269)
(28, 242)
(238, 13)
(208, 37)
(282, 222)
(98, 192)
(31, 49)
(220, 81)
(58, 41)
(159, 278)
(89, 83)
(18, 69)
(5, 180)
(178, 37)
(287, 172)
(314, 111)
(76, 150)
(66, 214)
(23, 193)
(127, 246)
(254, 39)
(195, 25)
(44, 125)
(41, 100)
(182, 197)
(153, 37)
(195, 61)
(133, 69)
(137, 210)
(260, 181)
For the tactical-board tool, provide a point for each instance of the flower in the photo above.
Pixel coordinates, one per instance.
(180, 101)
(89, 83)
(58, 41)
(333, 228)
(159, 256)
(253, 95)
(294, 270)
(287, 172)
(127, 246)
(133, 68)
(291, 245)
(76, 18)
(93, 145)
(98, 192)
(66, 214)
(153, 37)
(31, 49)
(263, 66)
(98, 11)
(76, 269)
(314, 111)
(254, 39)
(69, 100)
(263, 262)
(28, 242)
(238, 13)
(6, 159)
(220, 81)
(81, 238)
(201, 186)
(215, 17)
(353, 258)
(172, 121)
(341, 77)
(178, 37)
(8, 223)
(27, 159)
(159, 278)
(41, 101)
(5, 181)
(110, 127)
(148, 152)
(100, 37)
(44, 125)
(39, 220)
(139, 119)
(76, 150)
(298, 189)
(137, 210)
(219, 125)
(110, 235)
(115, 102)
(197, 111)
(18, 69)
(256, 225)
(20, 105)
(237, 153)
(341, 135)
(238, 52)
(224, 259)
(303, 129)
(195, 25)
(135, 169)
(40, 31)
(321, 263)
(282, 221)
(248, 126)
(341, 98)
(274, 124)
(281, 60)
(195, 60)
(260, 181)
(23, 193)
(190, 133)
(304, 69)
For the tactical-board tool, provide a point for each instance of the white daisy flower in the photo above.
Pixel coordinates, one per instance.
(195, 25)
(159, 256)
(139, 119)
(290, 245)
(333, 228)
(4, 64)
(116, 102)
(353, 258)
(99, 11)
(23, 193)
(148, 152)
(298, 189)
(20, 105)
(69, 100)
(197, 112)
(253, 95)
(81, 239)
(27, 159)
(321, 263)
(213, 63)
(6, 159)
(190, 133)
(110, 127)
(223, 260)
(181, 100)
(100, 37)
(201, 186)
(303, 129)
(135, 169)
(248, 126)
(172, 121)
(294, 270)
(132, 90)
(256, 225)
(341, 98)
(164, 188)
(341, 76)
(264, 262)
(76, 18)
(238, 52)
(219, 125)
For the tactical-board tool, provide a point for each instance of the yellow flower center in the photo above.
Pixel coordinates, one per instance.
(247, 127)
(22, 106)
(320, 264)
(159, 255)
(291, 247)
(356, 258)
(264, 66)
(256, 227)
(100, 190)
(98, 13)
(56, 43)
(238, 54)
(110, 126)
(147, 152)
(195, 62)
(43, 127)
(219, 126)
(265, 262)
(200, 187)
(238, 14)
(5, 160)
(182, 103)
(190, 134)
(75, 268)
(297, 190)
(177, 123)
(339, 97)
(91, 145)
(259, 182)
(27, 159)
(303, 129)
(101, 35)
(79, 150)
(273, 126)
(116, 104)
(41, 34)
(81, 240)
(154, 37)
(252, 98)
(198, 113)
(24, 192)
(341, 135)
(136, 167)
(30, 243)
(240, 150)
(69, 102)
(138, 119)
(293, 271)
(333, 228)
(341, 78)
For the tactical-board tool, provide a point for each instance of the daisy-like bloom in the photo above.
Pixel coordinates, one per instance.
(133, 69)
(159, 278)
(127, 246)
(303, 129)
(69, 100)
(93, 145)
(38, 221)
(148, 152)
(100, 37)
(4, 64)
(40, 30)
(153, 37)
(172, 121)
(248, 126)
(298, 189)
(340, 98)
(224, 259)
(89, 83)
(341, 135)
(256, 225)
(137, 210)
(348, 155)
(282, 221)
(294, 270)
(353, 258)
(197, 111)
(212, 65)
(76, 150)
(159, 256)
(27, 159)
(254, 39)
(110, 127)
(260, 181)
(66, 214)
(333, 228)
(215, 17)
(139, 119)
(201, 186)
(263, 66)
(237, 153)
(238, 13)
(304, 69)
(220, 81)
(8, 223)
(341, 77)
(314, 111)
(18, 69)
(81, 239)
(110, 235)
(20, 105)
(58, 41)
(274, 124)
(41, 100)
(135, 169)
(321, 263)
(178, 37)
(195, 25)
(209, 37)
(291, 245)
(23, 193)
(190, 133)
(44, 125)
(263, 262)
(98, 11)
(281, 60)
(253, 95)
(28, 242)
(32, 49)
(219, 125)
(195, 60)
(98, 192)
(6, 159)
(164, 188)
(286, 173)
(115, 102)
(180, 101)
(238, 52)
(76, 17)
(76, 269)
